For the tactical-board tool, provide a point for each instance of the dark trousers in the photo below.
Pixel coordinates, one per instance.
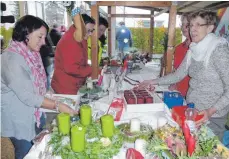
(21, 147)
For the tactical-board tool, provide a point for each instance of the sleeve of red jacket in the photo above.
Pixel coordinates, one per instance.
(71, 60)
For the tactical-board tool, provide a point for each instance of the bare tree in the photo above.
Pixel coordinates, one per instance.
(54, 13)
(15, 11)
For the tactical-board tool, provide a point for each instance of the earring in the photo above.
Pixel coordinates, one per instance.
(26, 39)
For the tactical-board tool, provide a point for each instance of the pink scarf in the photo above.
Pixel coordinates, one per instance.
(34, 61)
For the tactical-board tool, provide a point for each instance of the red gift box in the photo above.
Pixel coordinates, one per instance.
(117, 105)
(178, 114)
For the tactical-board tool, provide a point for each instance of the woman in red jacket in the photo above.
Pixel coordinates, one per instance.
(71, 68)
(179, 54)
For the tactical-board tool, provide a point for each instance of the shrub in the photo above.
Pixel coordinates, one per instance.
(7, 35)
(141, 39)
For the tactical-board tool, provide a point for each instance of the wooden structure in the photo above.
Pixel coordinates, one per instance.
(152, 4)
(171, 7)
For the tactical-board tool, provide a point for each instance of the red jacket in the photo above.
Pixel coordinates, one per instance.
(71, 68)
(179, 54)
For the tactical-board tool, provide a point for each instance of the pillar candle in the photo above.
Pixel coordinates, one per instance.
(140, 145)
(63, 120)
(107, 122)
(135, 125)
(90, 84)
(78, 138)
(85, 115)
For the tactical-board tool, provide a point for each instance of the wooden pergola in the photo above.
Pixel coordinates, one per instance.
(171, 7)
(148, 4)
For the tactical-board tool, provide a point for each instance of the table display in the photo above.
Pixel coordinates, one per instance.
(104, 138)
(95, 145)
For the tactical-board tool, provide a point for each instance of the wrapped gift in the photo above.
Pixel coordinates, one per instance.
(178, 114)
(116, 108)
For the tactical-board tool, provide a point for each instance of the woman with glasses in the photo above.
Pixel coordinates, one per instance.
(179, 54)
(207, 63)
(71, 57)
(103, 25)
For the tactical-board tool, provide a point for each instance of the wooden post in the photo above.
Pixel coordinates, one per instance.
(109, 32)
(21, 8)
(113, 30)
(171, 39)
(94, 42)
(151, 34)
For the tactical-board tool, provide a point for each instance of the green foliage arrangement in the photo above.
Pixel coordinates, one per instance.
(145, 133)
(93, 149)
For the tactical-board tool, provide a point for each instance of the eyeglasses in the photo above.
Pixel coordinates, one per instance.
(197, 25)
(90, 31)
(184, 26)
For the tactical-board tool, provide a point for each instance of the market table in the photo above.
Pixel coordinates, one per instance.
(101, 106)
(42, 151)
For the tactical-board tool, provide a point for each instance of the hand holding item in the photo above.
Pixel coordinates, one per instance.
(207, 113)
(66, 109)
(148, 84)
(79, 24)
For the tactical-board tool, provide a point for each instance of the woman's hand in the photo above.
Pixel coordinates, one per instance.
(66, 109)
(207, 115)
(146, 84)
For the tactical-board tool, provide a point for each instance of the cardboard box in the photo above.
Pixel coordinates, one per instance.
(157, 105)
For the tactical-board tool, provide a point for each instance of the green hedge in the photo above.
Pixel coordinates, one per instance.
(141, 38)
(7, 35)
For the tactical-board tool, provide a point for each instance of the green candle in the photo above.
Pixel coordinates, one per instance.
(85, 115)
(63, 120)
(107, 125)
(77, 138)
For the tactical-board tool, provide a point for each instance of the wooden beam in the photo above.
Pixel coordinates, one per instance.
(113, 31)
(109, 32)
(147, 8)
(21, 8)
(151, 39)
(135, 3)
(161, 12)
(216, 6)
(187, 5)
(131, 15)
(171, 39)
(94, 43)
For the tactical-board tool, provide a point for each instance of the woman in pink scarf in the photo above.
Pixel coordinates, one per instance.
(23, 84)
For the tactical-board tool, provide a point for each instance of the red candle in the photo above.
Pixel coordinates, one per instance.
(149, 99)
(130, 100)
(140, 100)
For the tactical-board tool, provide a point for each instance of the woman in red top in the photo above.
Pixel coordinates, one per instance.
(71, 68)
(179, 54)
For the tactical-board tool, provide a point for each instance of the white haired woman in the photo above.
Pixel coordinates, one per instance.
(207, 63)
